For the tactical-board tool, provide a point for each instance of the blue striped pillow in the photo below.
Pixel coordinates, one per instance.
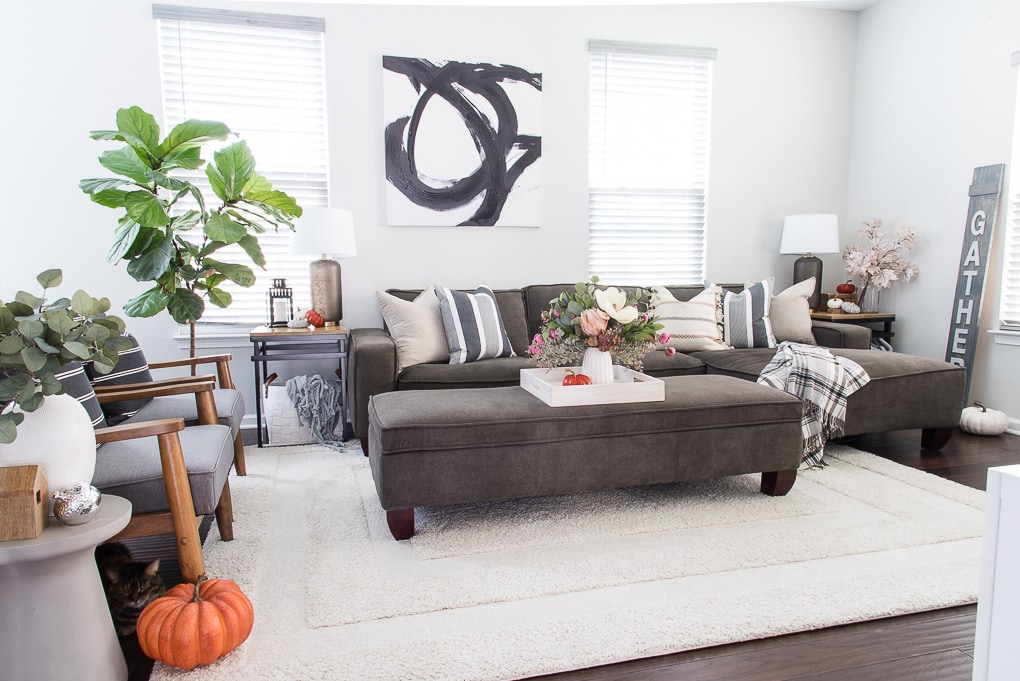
(746, 320)
(474, 327)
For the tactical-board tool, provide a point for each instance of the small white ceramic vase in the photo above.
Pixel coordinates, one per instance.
(59, 438)
(597, 365)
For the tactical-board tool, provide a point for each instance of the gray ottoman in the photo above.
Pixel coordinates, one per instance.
(455, 446)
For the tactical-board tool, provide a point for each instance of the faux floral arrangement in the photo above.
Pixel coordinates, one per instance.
(885, 260)
(593, 317)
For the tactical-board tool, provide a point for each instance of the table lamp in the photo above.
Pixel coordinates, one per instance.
(328, 232)
(808, 234)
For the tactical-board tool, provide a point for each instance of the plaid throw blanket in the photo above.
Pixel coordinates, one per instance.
(824, 382)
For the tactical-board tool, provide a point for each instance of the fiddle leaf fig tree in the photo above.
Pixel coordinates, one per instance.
(38, 338)
(160, 211)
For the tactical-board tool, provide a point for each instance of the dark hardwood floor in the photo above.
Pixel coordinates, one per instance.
(930, 646)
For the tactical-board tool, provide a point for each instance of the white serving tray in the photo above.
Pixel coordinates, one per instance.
(628, 386)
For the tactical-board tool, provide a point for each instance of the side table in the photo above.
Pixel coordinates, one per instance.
(55, 622)
(868, 319)
(281, 343)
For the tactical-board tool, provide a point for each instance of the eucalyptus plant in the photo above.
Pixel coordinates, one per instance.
(37, 338)
(154, 234)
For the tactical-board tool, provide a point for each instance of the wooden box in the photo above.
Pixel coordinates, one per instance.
(628, 386)
(24, 507)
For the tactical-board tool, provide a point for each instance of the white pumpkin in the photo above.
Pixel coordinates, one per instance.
(981, 420)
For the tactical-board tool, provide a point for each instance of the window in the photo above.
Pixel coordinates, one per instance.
(1009, 299)
(650, 110)
(264, 76)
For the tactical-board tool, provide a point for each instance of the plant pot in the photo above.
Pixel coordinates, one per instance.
(59, 438)
(597, 365)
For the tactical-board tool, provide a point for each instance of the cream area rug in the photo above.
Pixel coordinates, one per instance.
(514, 589)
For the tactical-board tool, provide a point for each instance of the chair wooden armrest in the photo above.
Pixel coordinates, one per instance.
(201, 389)
(222, 366)
(131, 431)
(175, 480)
(180, 380)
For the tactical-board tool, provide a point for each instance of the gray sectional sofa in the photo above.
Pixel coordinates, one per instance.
(905, 392)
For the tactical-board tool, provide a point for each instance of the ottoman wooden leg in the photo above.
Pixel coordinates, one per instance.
(401, 522)
(778, 483)
(935, 438)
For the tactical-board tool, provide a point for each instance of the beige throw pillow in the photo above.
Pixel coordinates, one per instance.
(692, 325)
(790, 315)
(416, 328)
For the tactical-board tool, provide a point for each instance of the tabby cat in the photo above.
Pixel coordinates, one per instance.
(130, 585)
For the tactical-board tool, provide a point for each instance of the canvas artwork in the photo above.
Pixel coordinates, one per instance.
(463, 143)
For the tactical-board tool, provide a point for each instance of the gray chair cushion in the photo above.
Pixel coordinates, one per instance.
(131, 469)
(229, 409)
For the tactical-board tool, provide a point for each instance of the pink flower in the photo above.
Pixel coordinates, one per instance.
(670, 352)
(537, 340)
(664, 338)
(593, 322)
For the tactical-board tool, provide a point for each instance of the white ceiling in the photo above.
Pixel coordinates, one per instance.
(851, 5)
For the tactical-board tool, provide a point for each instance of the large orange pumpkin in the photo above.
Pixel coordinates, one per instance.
(195, 624)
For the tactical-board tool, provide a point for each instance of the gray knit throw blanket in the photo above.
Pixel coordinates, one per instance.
(317, 403)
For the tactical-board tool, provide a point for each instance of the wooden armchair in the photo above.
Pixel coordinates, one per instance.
(172, 474)
(229, 403)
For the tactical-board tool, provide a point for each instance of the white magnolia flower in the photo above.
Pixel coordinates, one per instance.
(613, 302)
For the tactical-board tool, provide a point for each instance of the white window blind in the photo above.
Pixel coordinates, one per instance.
(1009, 299)
(263, 75)
(650, 114)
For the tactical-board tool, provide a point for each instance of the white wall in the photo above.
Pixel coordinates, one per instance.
(780, 139)
(935, 98)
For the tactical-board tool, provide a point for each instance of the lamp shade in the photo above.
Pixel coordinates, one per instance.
(324, 231)
(810, 233)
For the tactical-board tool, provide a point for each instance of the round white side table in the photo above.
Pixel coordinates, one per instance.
(55, 623)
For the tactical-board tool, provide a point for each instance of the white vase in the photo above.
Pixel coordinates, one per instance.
(597, 365)
(59, 438)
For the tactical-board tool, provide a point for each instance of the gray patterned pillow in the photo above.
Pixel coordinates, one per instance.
(746, 317)
(473, 324)
(132, 367)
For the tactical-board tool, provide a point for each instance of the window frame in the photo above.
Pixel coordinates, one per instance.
(667, 240)
(289, 139)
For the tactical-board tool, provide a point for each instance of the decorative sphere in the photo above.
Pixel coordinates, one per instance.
(76, 505)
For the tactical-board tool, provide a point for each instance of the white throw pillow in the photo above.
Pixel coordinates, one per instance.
(692, 325)
(416, 328)
(790, 315)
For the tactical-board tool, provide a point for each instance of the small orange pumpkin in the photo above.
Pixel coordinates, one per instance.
(195, 624)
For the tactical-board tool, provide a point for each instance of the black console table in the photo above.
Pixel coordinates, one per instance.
(280, 343)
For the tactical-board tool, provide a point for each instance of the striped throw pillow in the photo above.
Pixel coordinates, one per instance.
(746, 317)
(76, 384)
(693, 324)
(132, 367)
(474, 327)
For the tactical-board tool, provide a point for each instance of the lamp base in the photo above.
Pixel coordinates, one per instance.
(327, 295)
(804, 268)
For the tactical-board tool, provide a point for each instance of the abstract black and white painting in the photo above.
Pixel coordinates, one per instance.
(463, 143)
